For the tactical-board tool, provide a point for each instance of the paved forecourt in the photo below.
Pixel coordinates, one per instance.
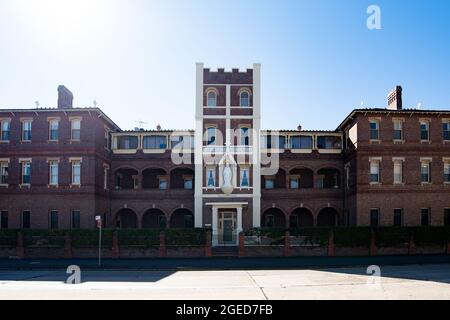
(396, 282)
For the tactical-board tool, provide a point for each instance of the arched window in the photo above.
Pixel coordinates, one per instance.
(244, 99)
(212, 99)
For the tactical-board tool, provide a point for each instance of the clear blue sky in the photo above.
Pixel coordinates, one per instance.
(137, 58)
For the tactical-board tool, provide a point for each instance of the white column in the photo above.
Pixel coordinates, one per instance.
(239, 220)
(198, 151)
(215, 225)
(228, 114)
(256, 214)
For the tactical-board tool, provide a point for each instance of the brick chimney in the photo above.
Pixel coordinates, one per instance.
(395, 99)
(65, 98)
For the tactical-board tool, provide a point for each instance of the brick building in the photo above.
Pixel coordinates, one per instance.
(62, 166)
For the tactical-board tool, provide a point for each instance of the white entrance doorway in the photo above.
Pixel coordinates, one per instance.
(227, 231)
(226, 222)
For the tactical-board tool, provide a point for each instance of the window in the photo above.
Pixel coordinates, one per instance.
(105, 177)
(155, 142)
(425, 217)
(320, 181)
(53, 130)
(425, 172)
(5, 130)
(53, 169)
(188, 183)
(374, 130)
(424, 130)
(75, 129)
(162, 182)
(269, 183)
(244, 136)
(293, 182)
(244, 99)
(26, 172)
(398, 171)
(447, 172)
(211, 177)
(76, 172)
(162, 221)
(211, 136)
(274, 141)
(4, 172)
(26, 130)
(107, 139)
(301, 142)
(447, 217)
(211, 99)
(127, 142)
(53, 219)
(374, 171)
(446, 131)
(182, 142)
(398, 217)
(75, 219)
(3, 219)
(328, 142)
(244, 177)
(374, 217)
(398, 129)
(26, 219)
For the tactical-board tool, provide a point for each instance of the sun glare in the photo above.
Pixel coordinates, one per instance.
(64, 24)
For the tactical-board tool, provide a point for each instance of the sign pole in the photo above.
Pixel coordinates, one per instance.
(98, 221)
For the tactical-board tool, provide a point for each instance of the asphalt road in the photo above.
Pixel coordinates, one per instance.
(396, 282)
(219, 263)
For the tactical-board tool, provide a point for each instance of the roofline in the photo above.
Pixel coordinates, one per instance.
(89, 109)
(384, 110)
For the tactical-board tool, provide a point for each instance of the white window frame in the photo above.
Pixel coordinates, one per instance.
(208, 136)
(50, 122)
(72, 122)
(375, 163)
(74, 163)
(398, 126)
(212, 105)
(105, 176)
(427, 162)
(245, 91)
(377, 122)
(396, 163)
(427, 123)
(446, 162)
(2, 123)
(4, 167)
(30, 122)
(23, 163)
(51, 166)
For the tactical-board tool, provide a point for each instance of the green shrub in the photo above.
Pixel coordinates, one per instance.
(430, 235)
(195, 237)
(312, 235)
(352, 236)
(43, 238)
(88, 238)
(392, 236)
(8, 237)
(143, 237)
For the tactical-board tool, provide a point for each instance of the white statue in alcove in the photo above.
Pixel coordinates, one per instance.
(227, 186)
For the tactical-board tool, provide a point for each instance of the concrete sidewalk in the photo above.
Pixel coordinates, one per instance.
(220, 263)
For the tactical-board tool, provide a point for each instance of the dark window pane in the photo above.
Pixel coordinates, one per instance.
(53, 219)
(374, 217)
(328, 142)
(75, 219)
(425, 217)
(127, 142)
(447, 217)
(398, 217)
(4, 220)
(26, 219)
